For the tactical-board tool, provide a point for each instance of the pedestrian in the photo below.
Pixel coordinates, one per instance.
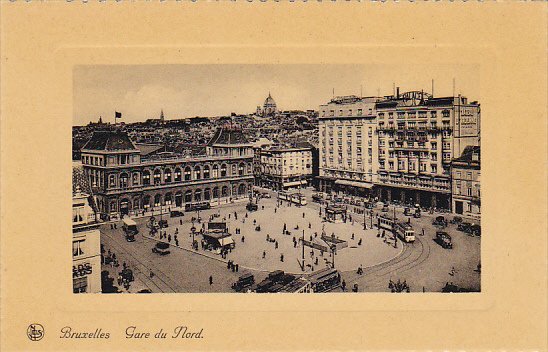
(303, 215)
(423, 231)
(343, 285)
(169, 238)
(316, 262)
(180, 221)
(275, 210)
(264, 254)
(243, 239)
(352, 235)
(309, 225)
(237, 266)
(276, 244)
(177, 242)
(282, 258)
(124, 265)
(210, 280)
(360, 242)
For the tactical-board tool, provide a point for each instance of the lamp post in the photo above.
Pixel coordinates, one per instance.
(303, 250)
(333, 249)
(193, 230)
(364, 210)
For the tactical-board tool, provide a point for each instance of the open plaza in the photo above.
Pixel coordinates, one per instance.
(271, 238)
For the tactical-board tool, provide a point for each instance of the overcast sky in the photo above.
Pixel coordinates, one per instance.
(182, 91)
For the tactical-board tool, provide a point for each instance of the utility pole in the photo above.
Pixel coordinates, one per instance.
(303, 250)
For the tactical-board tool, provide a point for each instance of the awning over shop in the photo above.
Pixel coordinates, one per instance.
(295, 183)
(225, 241)
(354, 183)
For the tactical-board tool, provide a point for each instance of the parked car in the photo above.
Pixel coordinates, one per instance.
(443, 239)
(456, 220)
(161, 248)
(475, 229)
(464, 227)
(130, 237)
(252, 207)
(244, 281)
(440, 221)
(176, 213)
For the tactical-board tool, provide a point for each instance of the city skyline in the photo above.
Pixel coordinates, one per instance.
(185, 91)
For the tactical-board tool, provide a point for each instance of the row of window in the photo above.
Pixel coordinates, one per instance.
(187, 174)
(413, 114)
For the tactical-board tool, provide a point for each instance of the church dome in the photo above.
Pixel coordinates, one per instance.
(269, 101)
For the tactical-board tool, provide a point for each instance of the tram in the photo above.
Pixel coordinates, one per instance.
(404, 231)
(385, 222)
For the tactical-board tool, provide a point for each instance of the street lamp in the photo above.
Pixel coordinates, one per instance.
(364, 220)
(193, 230)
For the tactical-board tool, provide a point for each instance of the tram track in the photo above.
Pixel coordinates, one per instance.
(167, 284)
(409, 258)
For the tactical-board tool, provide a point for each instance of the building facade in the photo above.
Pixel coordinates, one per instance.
(347, 145)
(466, 176)
(418, 137)
(286, 166)
(128, 179)
(86, 245)
(395, 148)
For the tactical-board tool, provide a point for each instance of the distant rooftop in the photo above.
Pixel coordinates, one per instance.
(109, 140)
(228, 135)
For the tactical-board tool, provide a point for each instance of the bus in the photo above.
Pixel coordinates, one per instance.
(324, 280)
(385, 222)
(404, 231)
(130, 228)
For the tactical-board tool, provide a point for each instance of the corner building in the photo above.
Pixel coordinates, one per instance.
(418, 136)
(130, 179)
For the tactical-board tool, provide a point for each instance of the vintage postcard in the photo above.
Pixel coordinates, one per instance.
(260, 176)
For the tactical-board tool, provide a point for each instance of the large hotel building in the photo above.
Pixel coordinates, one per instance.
(396, 147)
(128, 178)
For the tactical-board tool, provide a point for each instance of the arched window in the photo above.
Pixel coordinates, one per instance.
(198, 195)
(197, 172)
(177, 175)
(179, 199)
(113, 206)
(234, 167)
(157, 177)
(215, 171)
(135, 179)
(188, 173)
(207, 194)
(167, 199)
(123, 180)
(241, 169)
(224, 191)
(167, 175)
(223, 170)
(157, 200)
(188, 196)
(234, 190)
(146, 202)
(146, 178)
(249, 168)
(136, 204)
(206, 171)
(216, 192)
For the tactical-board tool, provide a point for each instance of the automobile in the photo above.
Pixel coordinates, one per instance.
(317, 198)
(417, 213)
(162, 223)
(370, 205)
(456, 220)
(443, 239)
(197, 206)
(385, 208)
(440, 221)
(464, 227)
(161, 248)
(130, 237)
(407, 211)
(244, 281)
(475, 229)
(251, 206)
(176, 213)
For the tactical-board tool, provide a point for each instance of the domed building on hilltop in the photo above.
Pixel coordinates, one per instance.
(269, 107)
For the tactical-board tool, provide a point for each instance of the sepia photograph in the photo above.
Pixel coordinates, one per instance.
(276, 179)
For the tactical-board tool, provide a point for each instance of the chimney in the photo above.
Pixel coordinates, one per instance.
(398, 92)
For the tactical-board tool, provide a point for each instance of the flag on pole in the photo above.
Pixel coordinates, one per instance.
(117, 115)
